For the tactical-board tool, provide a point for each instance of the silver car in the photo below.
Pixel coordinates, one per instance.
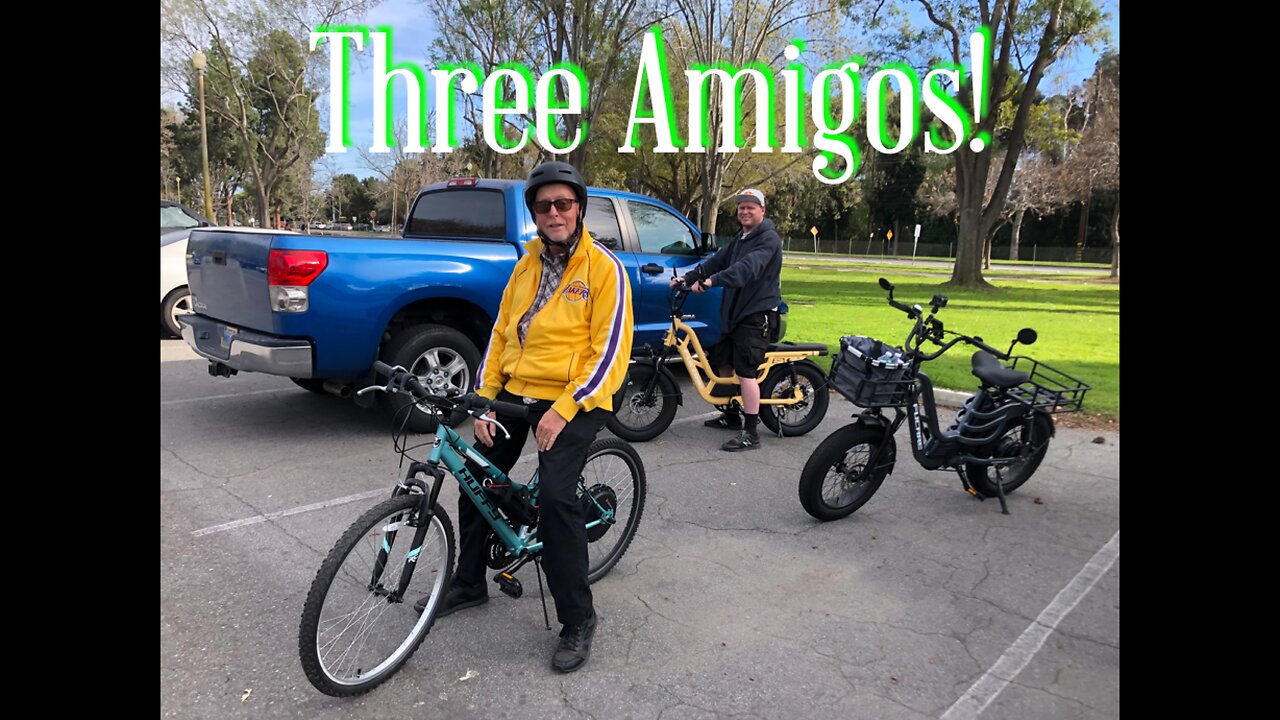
(176, 222)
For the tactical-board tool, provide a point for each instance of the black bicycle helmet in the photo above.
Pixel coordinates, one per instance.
(555, 172)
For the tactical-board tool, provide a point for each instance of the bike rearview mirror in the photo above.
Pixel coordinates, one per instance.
(1027, 336)
(886, 285)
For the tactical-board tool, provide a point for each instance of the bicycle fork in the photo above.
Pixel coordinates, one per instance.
(423, 512)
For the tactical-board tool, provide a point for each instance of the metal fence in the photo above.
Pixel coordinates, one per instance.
(1028, 252)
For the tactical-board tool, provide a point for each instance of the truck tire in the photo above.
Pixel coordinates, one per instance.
(442, 357)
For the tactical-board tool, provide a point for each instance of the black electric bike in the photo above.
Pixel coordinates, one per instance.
(999, 437)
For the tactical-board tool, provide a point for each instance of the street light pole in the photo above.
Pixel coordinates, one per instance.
(198, 61)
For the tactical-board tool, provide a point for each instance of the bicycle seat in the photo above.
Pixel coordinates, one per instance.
(792, 347)
(989, 370)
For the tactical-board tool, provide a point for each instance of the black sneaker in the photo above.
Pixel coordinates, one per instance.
(726, 421)
(744, 441)
(575, 646)
(459, 596)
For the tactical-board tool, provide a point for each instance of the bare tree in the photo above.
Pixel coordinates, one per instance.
(1094, 165)
(262, 78)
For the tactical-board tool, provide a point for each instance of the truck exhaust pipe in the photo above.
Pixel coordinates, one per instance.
(339, 389)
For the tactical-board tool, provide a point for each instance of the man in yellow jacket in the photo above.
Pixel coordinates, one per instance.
(561, 346)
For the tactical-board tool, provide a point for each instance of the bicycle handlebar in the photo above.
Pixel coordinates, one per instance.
(401, 380)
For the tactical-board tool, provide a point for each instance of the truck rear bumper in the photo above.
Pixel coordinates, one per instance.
(247, 350)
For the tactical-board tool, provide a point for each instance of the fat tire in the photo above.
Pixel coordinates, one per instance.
(983, 478)
(829, 454)
(664, 396)
(818, 401)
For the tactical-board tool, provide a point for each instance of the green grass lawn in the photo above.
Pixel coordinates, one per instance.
(1078, 323)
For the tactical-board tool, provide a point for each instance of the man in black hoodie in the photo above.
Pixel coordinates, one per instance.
(749, 270)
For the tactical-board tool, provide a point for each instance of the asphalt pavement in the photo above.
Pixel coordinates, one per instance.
(731, 602)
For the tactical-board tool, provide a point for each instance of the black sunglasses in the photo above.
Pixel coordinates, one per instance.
(542, 207)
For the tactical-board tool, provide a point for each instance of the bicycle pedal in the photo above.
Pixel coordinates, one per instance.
(509, 585)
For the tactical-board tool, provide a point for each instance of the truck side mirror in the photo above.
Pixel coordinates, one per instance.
(706, 244)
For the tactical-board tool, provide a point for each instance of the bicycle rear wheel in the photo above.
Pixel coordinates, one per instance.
(1026, 440)
(803, 416)
(613, 479)
(354, 633)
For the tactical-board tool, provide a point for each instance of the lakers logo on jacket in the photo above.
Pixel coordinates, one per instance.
(576, 292)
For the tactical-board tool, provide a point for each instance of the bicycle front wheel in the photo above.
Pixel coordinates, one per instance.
(839, 478)
(356, 631)
(612, 479)
(637, 419)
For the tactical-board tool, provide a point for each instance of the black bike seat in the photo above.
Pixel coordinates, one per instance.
(792, 347)
(990, 371)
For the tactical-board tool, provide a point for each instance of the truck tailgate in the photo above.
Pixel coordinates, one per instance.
(227, 272)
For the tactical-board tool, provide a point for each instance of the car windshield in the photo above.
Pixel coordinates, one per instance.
(174, 217)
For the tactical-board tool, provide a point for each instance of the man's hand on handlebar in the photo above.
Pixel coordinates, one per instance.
(697, 287)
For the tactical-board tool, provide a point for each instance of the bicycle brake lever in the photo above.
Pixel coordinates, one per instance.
(482, 418)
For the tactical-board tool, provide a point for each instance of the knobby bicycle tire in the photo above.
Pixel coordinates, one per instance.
(352, 638)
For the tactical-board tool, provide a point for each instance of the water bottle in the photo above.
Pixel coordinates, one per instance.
(889, 357)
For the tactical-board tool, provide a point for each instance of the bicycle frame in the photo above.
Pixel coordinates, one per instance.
(447, 450)
(672, 341)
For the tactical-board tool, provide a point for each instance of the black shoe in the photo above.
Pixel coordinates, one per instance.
(744, 441)
(575, 646)
(726, 421)
(458, 596)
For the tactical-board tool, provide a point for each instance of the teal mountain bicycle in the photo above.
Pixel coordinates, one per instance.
(359, 625)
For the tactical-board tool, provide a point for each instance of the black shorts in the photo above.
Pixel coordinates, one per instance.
(743, 347)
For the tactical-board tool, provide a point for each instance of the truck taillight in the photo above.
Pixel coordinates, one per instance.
(289, 272)
(295, 267)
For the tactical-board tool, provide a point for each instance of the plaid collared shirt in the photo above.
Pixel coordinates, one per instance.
(552, 271)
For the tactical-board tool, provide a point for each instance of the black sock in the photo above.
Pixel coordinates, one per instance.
(750, 424)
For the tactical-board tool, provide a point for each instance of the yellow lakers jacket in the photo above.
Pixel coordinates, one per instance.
(578, 346)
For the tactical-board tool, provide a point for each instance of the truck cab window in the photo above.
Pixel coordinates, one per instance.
(471, 213)
(660, 231)
(602, 222)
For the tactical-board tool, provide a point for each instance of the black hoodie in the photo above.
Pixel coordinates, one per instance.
(749, 270)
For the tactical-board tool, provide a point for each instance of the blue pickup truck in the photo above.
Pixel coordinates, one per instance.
(321, 309)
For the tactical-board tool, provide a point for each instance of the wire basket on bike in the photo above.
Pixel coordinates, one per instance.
(1048, 388)
(870, 373)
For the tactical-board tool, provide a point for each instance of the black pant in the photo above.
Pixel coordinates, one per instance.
(561, 519)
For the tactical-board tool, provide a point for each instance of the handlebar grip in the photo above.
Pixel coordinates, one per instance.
(382, 368)
(506, 408)
(474, 401)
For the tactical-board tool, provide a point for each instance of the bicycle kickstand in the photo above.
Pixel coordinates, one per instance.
(537, 568)
(1004, 508)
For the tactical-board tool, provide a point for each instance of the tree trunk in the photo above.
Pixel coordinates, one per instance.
(1017, 230)
(968, 267)
(1115, 242)
(263, 207)
(1084, 229)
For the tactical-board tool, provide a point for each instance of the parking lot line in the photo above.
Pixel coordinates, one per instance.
(285, 513)
(219, 397)
(993, 681)
(337, 501)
